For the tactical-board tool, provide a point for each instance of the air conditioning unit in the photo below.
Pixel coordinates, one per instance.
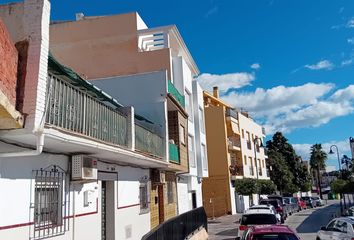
(158, 176)
(84, 168)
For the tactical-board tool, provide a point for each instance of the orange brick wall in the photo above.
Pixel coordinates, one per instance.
(8, 64)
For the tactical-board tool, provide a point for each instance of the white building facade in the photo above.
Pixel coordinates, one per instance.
(77, 170)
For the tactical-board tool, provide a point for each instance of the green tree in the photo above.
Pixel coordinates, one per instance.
(246, 186)
(318, 162)
(287, 167)
(280, 174)
(266, 187)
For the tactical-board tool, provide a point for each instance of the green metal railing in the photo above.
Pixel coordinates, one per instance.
(73, 109)
(174, 154)
(176, 94)
(147, 141)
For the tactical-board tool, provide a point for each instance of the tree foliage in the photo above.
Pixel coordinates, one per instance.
(246, 186)
(337, 186)
(266, 187)
(249, 186)
(287, 170)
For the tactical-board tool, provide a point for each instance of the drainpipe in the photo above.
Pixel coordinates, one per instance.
(39, 143)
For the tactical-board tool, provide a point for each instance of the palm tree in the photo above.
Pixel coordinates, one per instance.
(317, 162)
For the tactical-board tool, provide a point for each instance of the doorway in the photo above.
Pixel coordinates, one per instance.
(107, 210)
(161, 203)
(194, 200)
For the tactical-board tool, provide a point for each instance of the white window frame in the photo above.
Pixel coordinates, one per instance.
(182, 134)
(201, 119)
(189, 105)
(191, 151)
(203, 155)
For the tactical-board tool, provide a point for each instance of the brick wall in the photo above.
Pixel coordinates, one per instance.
(175, 120)
(8, 65)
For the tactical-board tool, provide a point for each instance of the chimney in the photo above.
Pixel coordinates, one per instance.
(80, 16)
(216, 92)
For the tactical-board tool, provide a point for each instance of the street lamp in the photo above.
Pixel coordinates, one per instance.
(331, 152)
(339, 169)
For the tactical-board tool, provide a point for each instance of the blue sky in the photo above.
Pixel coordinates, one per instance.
(290, 63)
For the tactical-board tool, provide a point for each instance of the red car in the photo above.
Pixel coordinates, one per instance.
(302, 205)
(270, 232)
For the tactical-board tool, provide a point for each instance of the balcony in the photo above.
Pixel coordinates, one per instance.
(71, 108)
(231, 113)
(148, 142)
(174, 154)
(176, 94)
(236, 170)
(234, 143)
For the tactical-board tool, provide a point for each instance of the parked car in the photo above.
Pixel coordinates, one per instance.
(318, 201)
(278, 207)
(265, 207)
(270, 232)
(309, 202)
(285, 206)
(337, 229)
(292, 204)
(301, 204)
(256, 217)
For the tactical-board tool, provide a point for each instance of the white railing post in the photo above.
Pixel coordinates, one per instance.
(129, 111)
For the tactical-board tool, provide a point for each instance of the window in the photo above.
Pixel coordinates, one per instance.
(144, 197)
(182, 134)
(49, 203)
(245, 158)
(170, 192)
(250, 160)
(191, 150)
(204, 159)
(243, 133)
(201, 120)
(189, 105)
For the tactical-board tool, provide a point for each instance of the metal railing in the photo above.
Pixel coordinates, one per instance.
(174, 154)
(147, 141)
(236, 170)
(176, 94)
(231, 113)
(73, 109)
(180, 227)
(234, 142)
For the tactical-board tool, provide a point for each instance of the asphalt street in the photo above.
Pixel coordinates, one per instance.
(306, 223)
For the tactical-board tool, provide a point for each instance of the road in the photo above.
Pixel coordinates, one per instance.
(308, 222)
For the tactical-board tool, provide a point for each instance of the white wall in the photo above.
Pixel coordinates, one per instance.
(252, 127)
(128, 216)
(146, 93)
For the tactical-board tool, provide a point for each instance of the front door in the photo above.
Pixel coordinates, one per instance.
(161, 203)
(194, 200)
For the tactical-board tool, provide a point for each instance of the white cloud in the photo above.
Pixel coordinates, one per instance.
(255, 66)
(350, 23)
(345, 94)
(324, 64)
(350, 40)
(225, 81)
(304, 149)
(346, 62)
(287, 108)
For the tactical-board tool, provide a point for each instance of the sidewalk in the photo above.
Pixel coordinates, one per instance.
(223, 228)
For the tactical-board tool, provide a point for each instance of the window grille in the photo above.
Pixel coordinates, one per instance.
(170, 192)
(144, 197)
(50, 210)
